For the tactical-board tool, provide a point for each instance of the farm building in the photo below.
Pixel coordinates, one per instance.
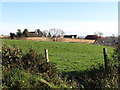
(71, 36)
(33, 34)
(107, 41)
(92, 37)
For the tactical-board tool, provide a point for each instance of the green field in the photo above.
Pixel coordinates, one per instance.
(67, 56)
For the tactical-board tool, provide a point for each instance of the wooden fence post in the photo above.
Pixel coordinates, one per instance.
(105, 59)
(46, 55)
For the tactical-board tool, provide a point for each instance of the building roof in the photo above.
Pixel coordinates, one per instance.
(93, 37)
(32, 32)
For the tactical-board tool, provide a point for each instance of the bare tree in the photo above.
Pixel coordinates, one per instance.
(61, 32)
(98, 33)
(56, 32)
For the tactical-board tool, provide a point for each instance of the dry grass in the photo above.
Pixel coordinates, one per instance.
(60, 40)
(4, 37)
(78, 40)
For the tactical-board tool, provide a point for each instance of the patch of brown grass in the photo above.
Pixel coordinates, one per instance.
(60, 39)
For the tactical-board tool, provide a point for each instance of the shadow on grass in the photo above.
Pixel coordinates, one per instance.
(90, 79)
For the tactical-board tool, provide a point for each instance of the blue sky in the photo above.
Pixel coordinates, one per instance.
(80, 18)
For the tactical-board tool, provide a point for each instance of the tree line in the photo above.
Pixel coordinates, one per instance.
(53, 32)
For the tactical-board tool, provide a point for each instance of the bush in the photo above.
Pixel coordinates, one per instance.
(22, 79)
(11, 57)
(20, 70)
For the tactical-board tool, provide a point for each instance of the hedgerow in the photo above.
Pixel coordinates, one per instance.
(29, 70)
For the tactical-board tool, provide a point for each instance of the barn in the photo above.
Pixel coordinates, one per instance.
(92, 37)
(33, 34)
(71, 36)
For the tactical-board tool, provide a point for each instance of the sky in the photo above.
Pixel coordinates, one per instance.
(81, 18)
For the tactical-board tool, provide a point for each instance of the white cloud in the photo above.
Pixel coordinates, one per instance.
(73, 27)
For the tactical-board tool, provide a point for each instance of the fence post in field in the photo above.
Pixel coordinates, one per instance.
(46, 55)
(105, 59)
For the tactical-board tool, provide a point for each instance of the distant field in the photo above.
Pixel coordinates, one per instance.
(60, 39)
(67, 56)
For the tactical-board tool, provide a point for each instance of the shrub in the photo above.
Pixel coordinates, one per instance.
(22, 79)
(11, 57)
(20, 70)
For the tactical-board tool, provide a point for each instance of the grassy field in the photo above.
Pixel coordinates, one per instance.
(67, 56)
